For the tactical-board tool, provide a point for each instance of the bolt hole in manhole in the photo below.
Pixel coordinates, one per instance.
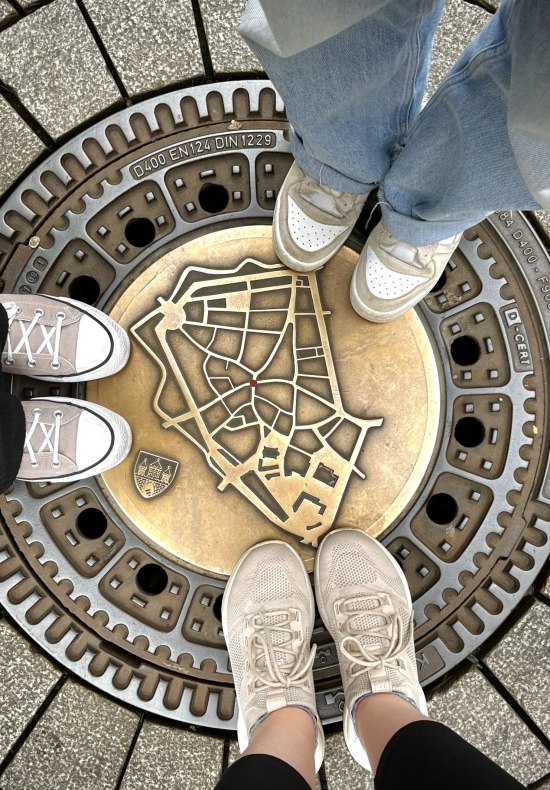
(441, 282)
(213, 198)
(152, 579)
(85, 289)
(91, 523)
(465, 350)
(217, 607)
(442, 508)
(469, 432)
(140, 232)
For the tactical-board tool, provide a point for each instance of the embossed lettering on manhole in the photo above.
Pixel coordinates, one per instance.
(247, 351)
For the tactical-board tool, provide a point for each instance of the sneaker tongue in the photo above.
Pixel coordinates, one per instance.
(367, 622)
(323, 201)
(278, 637)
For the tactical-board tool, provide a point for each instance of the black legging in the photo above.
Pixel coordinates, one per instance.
(424, 755)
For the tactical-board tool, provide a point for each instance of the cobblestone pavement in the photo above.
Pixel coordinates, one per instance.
(64, 64)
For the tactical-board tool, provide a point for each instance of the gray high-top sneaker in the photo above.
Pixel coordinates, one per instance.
(59, 339)
(68, 439)
(268, 614)
(391, 276)
(311, 222)
(365, 603)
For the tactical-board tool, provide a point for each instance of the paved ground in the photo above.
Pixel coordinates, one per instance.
(63, 64)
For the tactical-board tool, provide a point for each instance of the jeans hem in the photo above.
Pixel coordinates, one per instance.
(326, 175)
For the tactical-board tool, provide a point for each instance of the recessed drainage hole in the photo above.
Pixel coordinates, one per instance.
(213, 198)
(152, 579)
(91, 523)
(217, 607)
(441, 508)
(84, 289)
(469, 431)
(441, 282)
(465, 350)
(139, 232)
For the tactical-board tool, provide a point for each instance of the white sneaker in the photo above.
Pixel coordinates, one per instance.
(68, 439)
(391, 276)
(268, 613)
(363, 598)
(311, 222)
(58, 339)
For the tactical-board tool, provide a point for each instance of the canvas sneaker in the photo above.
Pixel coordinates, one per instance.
(59, 339)
(311, 222)
(68, 439)
(268, 613)
(365, 603)
(391, 276)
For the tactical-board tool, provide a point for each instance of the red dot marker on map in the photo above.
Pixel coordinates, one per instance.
(253, 383)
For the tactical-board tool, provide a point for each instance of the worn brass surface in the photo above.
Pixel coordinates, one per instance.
(261, 405)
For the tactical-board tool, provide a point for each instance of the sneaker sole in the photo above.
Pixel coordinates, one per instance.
(120, 430)
(242, 734)
(113, 363)
(356, 748)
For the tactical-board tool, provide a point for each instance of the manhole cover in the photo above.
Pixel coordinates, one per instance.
(263, 407)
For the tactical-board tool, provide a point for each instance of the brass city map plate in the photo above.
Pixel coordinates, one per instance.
(261, 405)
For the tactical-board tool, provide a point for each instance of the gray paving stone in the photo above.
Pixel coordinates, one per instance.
(228, 50)
(18, 145)
(50, 58)
(234, 752)
(341, 770)
(152, 43)
(544, 219)
(173, 759)
(6, 10)
(26, 677)
(472, 708)
(459, 24)
(80, 743)
(521, 661)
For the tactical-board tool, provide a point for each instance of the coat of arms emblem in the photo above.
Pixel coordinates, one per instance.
(153, 474)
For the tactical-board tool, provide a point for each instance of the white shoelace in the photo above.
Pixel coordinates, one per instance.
(50, 341)
(47, 445)
(267, 672)
(390, 634)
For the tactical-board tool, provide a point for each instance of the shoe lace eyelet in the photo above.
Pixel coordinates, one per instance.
(58, 413)
(34, 464)
(31, 364)
(55, 365)
(9, 362)
(56, 464)
(37, 411)
(39, 311)
(60, 314)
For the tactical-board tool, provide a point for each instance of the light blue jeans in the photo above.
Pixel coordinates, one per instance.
(353, 98)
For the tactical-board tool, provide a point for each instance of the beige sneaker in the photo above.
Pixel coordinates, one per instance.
(59, 339)
(365, 603)
(68, 439)
(391, 276)
(268, 612)
(311, 222)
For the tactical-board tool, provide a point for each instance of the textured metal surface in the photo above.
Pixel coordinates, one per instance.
(472, 539)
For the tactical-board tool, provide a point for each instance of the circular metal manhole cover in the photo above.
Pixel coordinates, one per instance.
(262, 406)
